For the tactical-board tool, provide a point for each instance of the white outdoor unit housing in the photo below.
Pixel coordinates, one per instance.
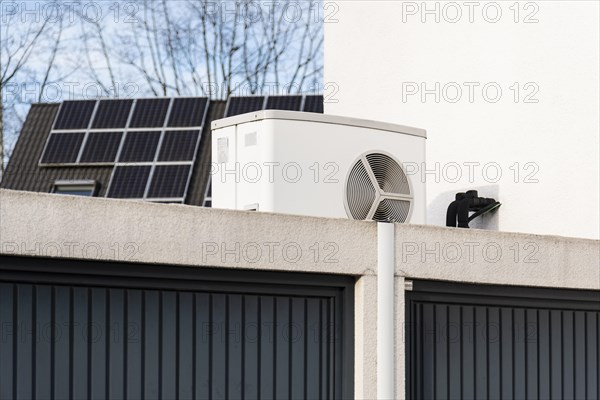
(318, 165)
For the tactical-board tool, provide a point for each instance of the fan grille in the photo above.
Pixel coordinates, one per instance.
(378, 189)
(392, 210)
(360, 192)
(390, 176)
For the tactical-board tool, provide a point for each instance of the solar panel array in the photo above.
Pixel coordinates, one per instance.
(244, 104)
(151, 143)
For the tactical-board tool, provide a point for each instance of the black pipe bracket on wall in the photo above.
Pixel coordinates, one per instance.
(458, 210)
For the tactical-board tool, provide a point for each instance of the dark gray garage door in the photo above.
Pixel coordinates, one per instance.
(488, 342)
(74, 329)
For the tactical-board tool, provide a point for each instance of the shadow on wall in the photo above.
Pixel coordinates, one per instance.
(436, 210)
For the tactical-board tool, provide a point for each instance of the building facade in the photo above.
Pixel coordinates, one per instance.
(507, 91)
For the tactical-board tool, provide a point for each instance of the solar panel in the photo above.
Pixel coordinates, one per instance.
(149, 113)
(129, 181)
(169, 181)
(313, 104)
(188, 112)
(178, 146)
(112, 114)
(62, 148)
(291, 103)
(241, 105)
(101, 147)
(139, 146)
(75, 114)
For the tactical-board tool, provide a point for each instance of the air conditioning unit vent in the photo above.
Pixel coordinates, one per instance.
(392, 210)
(389, 174)
(360, 192)
(378, 189)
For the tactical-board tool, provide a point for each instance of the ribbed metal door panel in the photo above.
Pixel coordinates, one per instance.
(478, 342)
(221, 341)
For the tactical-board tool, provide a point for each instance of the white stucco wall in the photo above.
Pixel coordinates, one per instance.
(380, 55)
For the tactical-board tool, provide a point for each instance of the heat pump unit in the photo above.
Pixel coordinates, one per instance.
(318, 165)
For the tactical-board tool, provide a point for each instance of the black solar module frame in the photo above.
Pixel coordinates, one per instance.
(291, 103)
(313, 103)
(169, 181)
(187, 112)
(178, 146)
(112, 114)
(139, 146)
(101, 147)
(129, 181)
(62, 148)
(149, 113)
(241, 105)
(75, 114)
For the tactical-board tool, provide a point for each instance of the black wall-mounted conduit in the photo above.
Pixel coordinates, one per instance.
(464, 203)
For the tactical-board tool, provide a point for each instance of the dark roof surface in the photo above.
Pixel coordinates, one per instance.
(24, 171)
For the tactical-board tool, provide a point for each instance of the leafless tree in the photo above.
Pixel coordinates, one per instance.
(16, 48)
(163, 48)
(210, 48)
(29, 48)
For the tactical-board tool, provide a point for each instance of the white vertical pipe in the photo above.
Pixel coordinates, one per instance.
(385, 311)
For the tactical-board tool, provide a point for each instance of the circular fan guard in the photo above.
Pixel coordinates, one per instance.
(378, 189)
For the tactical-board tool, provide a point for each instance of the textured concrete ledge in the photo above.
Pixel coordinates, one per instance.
(47, 225)
(477, 256)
